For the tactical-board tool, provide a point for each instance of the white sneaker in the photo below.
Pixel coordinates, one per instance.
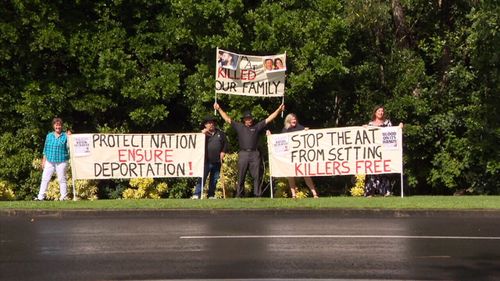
(212, 197)
(388, 193)
(37, 199)
(195, 197)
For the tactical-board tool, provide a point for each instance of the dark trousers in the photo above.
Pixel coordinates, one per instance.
(214, 170)
(380, 184)
(248, 160)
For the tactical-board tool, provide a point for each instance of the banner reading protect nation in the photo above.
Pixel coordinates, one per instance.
(114, 156)
(261, 76)
(336, 151)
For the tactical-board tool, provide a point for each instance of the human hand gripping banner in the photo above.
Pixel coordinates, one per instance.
(260, 76)
(336, 151)
(114, 156)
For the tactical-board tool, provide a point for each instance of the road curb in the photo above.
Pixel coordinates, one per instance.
(396, 213)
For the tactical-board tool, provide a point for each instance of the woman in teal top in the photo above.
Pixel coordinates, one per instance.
(55, 159)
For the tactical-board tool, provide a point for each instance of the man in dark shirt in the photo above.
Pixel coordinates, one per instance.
(216, 146)
(248, 137)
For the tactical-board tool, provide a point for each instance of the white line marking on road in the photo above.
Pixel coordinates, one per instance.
(433, 257)
(341, 236)
(271, 279)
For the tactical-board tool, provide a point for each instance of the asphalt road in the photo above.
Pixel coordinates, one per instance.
(251, 245)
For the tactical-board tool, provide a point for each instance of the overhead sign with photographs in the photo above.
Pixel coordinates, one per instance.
(336, 151)
(115, 156)
(261, 76)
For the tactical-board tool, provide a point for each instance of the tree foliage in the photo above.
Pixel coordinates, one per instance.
(148, 66)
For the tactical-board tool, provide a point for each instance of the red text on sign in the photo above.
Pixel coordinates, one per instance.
(373, 166)
(145, 155)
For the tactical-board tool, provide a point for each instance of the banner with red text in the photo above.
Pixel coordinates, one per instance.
(336, 151)
(260, 76)
(115, 156)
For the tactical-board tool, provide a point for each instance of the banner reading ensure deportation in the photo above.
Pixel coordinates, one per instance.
(106, 156)
(336, 151)
(262, 76)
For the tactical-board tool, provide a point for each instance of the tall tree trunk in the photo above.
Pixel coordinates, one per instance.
(403, 34)
(446, 26)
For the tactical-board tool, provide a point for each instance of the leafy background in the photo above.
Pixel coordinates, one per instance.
(148, 66)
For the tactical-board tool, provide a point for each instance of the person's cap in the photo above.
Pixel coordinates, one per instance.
(247, 114)
(208, 118)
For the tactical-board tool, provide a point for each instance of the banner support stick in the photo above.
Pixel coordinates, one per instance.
(283, 97)
(202, 185)
(74, 188)
(282, 102)
(221, 178)
(202, 181)
(401, 148)
(72, 167)
(215, 111)
(271, 185)
(401, 184)
(216, 66)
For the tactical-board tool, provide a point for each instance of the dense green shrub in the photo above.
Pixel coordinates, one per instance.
(147, 66)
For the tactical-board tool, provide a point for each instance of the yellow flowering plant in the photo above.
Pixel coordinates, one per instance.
(144, 188)
(6, 192)
(358, 189)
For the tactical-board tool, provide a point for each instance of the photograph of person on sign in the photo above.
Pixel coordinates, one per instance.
(227, 60)
(274, 64)
(250, 76)
(279, 65)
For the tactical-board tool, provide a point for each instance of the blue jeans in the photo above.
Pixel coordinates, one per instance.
(214, 170)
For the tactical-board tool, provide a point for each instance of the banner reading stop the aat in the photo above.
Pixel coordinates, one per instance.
(115, 156)
(260, 76)
(336, 151)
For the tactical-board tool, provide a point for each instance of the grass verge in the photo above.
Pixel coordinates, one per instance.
(395, 203)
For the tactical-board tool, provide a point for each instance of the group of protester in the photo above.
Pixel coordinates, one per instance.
(56, 154)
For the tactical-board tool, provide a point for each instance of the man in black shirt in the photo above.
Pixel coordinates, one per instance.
(248, 137)
(216, 146)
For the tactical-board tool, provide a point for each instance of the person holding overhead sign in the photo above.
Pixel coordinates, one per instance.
(248, 136)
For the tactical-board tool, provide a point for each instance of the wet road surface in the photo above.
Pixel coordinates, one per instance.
(252, 245)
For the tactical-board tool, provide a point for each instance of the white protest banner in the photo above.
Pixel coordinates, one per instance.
(336, 151)
(114, 156)
(261, 76)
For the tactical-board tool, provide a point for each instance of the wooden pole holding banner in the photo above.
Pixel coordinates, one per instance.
(270, 172)
(401, 148)
(270, 177)
(283, 97)
(202, 179)
(216, 66)
(222, 182)
(401, 183)
(282, 102)
(71, 154)
(215, 111)
(271, 185)
(202, 184)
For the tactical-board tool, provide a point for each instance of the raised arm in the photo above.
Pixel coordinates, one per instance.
(222, 113)
(275, 113)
